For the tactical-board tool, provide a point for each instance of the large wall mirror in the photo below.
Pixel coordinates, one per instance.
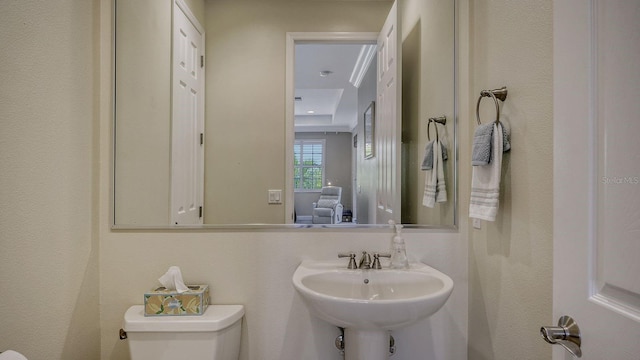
(237, 113)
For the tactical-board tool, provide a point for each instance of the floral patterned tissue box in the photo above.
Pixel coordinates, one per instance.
(162, 302)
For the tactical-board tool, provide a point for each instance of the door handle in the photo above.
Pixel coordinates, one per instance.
(566, 334)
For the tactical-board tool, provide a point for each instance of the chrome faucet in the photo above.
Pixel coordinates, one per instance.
(365, 261)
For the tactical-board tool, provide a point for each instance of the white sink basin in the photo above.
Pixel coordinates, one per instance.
(371, 299)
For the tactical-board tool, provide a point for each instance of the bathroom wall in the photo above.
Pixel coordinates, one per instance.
(254, 267)
(49, 283)
(510, 262)
(55, 189)
(367, 169)
(245, 101)
(143, 107)
(427, 91)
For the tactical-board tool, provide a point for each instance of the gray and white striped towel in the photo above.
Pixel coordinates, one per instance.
(485, 182)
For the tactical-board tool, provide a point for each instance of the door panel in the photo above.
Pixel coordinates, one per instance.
(388, 120)
(187, 148)
(597, 174)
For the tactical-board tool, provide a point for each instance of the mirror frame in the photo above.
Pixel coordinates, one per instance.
(289, 136)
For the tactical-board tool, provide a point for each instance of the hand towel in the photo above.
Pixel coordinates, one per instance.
(482, 139)
(441, 186)
(427, 160)
(485, 182)
(435, 187)
(482, 143)
(506, 138)
(431, 180)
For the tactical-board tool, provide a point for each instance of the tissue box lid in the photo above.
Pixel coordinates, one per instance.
(215, 318)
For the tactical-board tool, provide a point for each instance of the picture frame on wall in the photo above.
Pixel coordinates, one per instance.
(369, 130)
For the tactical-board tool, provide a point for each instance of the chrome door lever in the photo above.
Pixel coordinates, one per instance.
(566, 334)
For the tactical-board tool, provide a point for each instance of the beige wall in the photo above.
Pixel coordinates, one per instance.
(510, 264)
(49, 284)
(197, 7)
(245, 115)
(367, 169)
(51, 205)
(427, 91)
(254, 268)
(143, 110)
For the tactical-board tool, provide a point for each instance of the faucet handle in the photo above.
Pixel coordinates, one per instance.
(376, 260)
(352, 259)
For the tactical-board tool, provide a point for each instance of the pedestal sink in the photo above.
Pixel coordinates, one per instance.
(369, 303)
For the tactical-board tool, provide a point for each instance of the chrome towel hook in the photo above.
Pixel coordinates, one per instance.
(439, 120)
(496, 94)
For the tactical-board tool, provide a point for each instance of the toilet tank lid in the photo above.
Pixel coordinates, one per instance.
(215, 318)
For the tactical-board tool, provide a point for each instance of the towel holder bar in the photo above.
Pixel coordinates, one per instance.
(496, 94)
(439, 120)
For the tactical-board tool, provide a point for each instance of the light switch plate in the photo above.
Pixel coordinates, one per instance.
(275, 196)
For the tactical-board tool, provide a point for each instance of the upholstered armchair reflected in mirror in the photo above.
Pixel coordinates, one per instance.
(328, 209)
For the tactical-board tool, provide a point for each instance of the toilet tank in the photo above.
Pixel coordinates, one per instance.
(215, 335)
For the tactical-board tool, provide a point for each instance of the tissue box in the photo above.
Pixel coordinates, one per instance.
(162, 302)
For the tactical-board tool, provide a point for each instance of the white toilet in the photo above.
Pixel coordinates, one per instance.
(11, 355)
(215, 335)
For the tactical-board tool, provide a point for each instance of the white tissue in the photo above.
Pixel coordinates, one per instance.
(172, 280)
(12, 355)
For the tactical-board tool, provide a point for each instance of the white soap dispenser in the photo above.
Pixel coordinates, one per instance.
(398, 250)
